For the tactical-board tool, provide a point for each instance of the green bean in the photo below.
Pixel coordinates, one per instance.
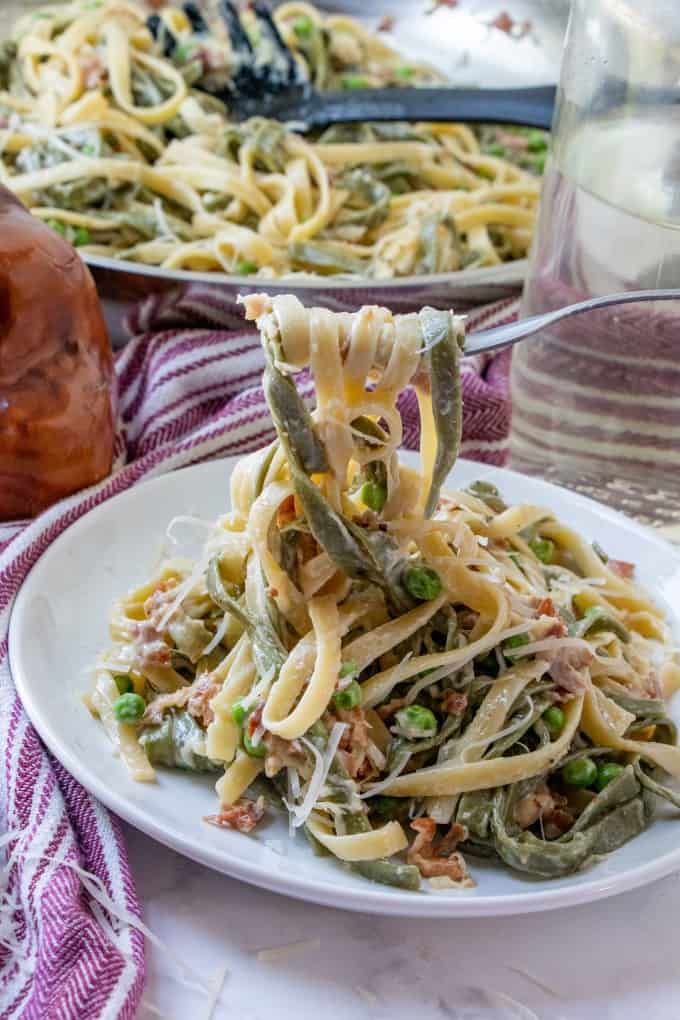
(443, 356)
(178, 742)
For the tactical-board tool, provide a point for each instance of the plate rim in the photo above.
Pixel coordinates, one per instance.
(373, 899)
(504, 274)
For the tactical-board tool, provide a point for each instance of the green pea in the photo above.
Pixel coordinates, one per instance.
(348, 697)
(81, 236)
(553, 718)
(245, 268)
(404, 71)
(496, 149)
(254, 750)
(129, 707)
(539, 163)
(543, 549)
(303, 27)
(122, 682)
(182, 53)
(537, 142)
(416, 722)
(89, 150)
(516, 641)
(239, 713)
(348, 668)
(58, 227)
(373, 495)
(354, 81)
(423, 583)
(606, 772)
(581, 772)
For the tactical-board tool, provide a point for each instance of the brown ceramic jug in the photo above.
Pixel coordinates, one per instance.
(56, 414)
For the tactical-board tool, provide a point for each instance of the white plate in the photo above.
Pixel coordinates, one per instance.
(60, 622)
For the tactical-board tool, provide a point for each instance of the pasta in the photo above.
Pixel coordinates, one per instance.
(116, 139)
(381, 658)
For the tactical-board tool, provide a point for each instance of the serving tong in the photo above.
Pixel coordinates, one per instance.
(268, 82)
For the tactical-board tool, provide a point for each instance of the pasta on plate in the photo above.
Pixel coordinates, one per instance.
(385, 660)
(108, 134)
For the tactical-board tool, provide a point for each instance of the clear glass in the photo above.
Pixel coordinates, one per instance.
(596, 400)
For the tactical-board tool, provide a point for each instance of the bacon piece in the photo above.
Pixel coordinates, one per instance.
(286, 512)
(354, 742)
(557, 822)
(505, 23)
(94, 71)
(243, 816)
(150, 648)
(454, 703)
(546, 607)
(254, 720)
(388, 710)
(155, 710)
(386, 23)
(533, 806)
(435, 861)
(548, 807)
(652, 685)
(568, 670)
(622, 568)
(201, 694)
(281, 754)
(306, 547)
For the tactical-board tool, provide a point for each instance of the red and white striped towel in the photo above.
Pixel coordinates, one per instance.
(186, 395)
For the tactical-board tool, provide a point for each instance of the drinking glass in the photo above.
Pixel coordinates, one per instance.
(596, 399)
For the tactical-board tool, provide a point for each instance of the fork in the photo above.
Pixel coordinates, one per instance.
(268, 82)
(501, 336)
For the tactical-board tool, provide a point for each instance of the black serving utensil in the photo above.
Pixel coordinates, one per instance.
(268, 82)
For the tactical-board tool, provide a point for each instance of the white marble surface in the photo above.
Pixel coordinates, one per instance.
(613, 960)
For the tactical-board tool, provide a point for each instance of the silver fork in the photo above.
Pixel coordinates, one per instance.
(502, 336)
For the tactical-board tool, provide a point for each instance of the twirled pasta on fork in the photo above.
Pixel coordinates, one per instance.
(381, 658)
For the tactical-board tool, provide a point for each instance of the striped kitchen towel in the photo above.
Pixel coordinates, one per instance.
(185, 395)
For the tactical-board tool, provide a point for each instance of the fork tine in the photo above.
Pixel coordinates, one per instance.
(269, 28)
(239, 40)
